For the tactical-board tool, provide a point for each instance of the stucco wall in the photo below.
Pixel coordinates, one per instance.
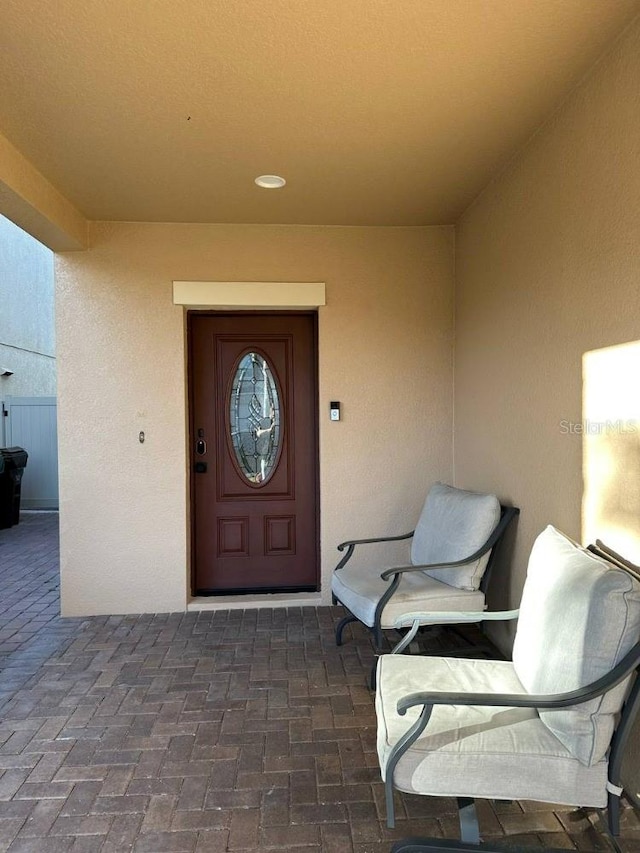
(548, 269)
(27, 341)
(385, 350)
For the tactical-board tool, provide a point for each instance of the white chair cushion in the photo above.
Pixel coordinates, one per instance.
(578, 617)
(453, 525)
(494, 753)
(361, 590)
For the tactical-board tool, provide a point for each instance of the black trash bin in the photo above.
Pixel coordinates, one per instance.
(13, 461)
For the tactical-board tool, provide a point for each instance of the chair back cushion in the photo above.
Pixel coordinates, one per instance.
(579, 616)
(453, 525)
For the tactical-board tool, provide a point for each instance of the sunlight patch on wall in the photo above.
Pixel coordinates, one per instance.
(611, 448)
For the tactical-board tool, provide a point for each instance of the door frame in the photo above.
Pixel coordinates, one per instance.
(248, 312)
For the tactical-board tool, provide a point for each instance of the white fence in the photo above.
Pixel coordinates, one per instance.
(30, 422)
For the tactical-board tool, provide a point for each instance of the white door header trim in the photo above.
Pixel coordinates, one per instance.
(249, 294)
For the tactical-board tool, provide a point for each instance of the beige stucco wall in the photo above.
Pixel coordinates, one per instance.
(385, 350)
(548, 269)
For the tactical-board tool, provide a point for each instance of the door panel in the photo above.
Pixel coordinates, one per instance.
(254, 450)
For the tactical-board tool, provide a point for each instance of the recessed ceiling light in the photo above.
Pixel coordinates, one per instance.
(270, 182)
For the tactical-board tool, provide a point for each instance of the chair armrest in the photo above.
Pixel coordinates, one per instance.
(528, 700)
(354, 542)
(413, 621)
(436, 617)
(400, 570)
(350, 544)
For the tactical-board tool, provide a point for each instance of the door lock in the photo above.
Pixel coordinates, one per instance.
(201, 447)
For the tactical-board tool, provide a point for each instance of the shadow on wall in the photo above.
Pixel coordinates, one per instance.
(611, 448)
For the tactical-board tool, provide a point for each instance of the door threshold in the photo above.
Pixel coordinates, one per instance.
(254, 601)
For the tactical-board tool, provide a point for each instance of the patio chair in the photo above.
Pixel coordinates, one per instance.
(539, 727)
(452, 548)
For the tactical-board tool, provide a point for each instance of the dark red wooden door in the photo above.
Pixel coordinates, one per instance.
(254, 452)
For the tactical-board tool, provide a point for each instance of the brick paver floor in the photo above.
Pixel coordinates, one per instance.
(228, 731)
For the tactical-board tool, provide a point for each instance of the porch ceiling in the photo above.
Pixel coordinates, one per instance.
(390, 112)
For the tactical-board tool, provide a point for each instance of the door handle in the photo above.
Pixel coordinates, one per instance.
(201, 447)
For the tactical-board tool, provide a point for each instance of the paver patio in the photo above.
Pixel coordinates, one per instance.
(218, 731)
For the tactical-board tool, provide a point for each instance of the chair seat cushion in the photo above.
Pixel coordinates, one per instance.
(360, 590)
(578, 617)
(474, 751)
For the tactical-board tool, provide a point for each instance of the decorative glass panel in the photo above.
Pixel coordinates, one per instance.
(254, 418)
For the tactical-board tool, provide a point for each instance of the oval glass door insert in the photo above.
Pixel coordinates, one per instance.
(254, 418)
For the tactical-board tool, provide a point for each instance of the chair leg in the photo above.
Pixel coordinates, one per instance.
(342, 624)
(469, 834)
(372, 675)
(469, 827)
(442, 845)
(427, 845)
(613, 813)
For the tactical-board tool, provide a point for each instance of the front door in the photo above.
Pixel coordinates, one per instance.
(254, 452)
